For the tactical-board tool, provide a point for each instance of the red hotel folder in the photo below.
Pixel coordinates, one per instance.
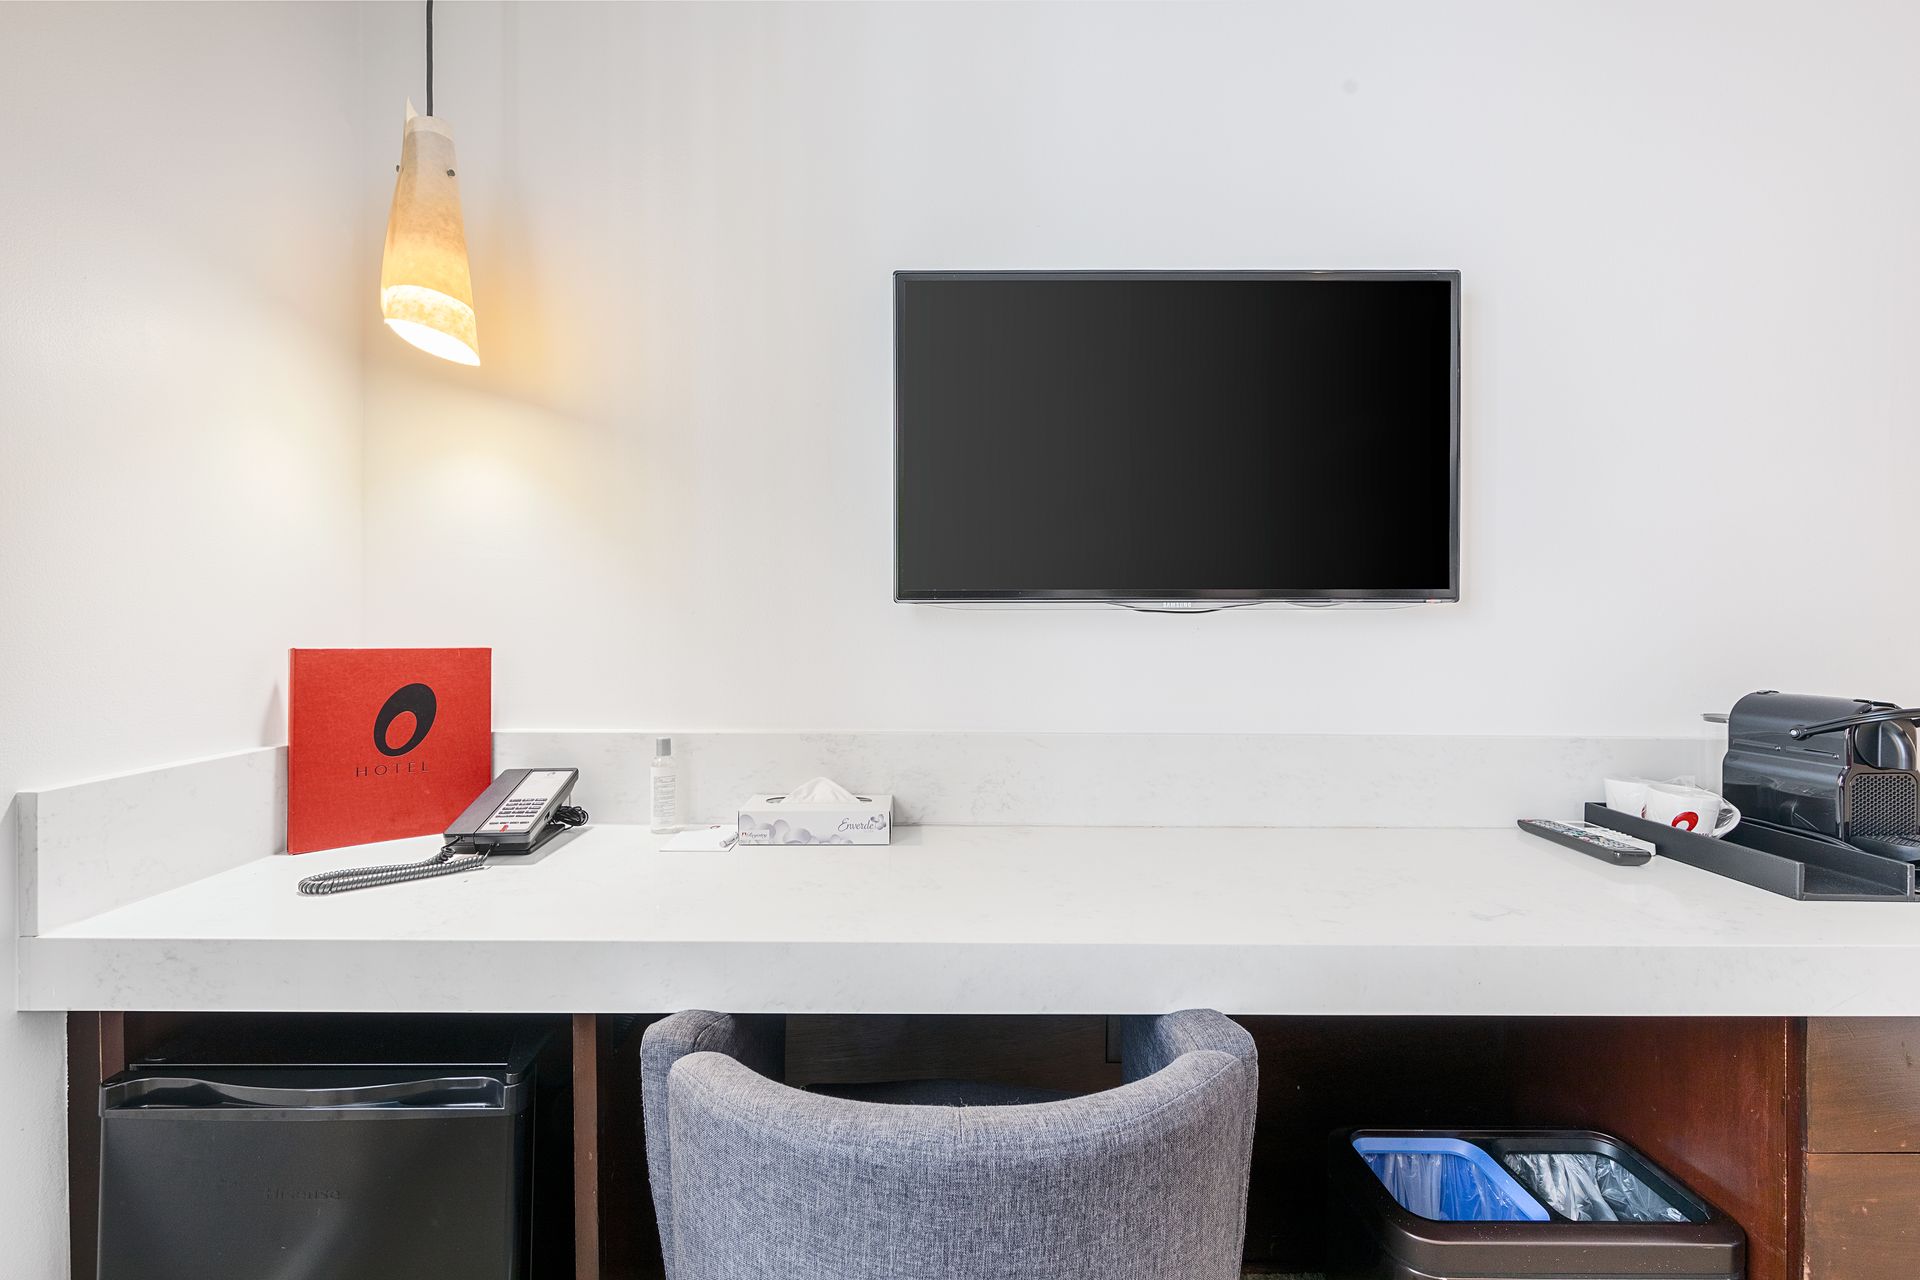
(384, 743)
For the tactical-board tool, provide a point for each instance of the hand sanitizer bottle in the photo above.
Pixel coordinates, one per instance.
(666, 787)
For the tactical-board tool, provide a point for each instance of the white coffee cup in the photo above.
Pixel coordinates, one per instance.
(1628, 795)
(1689, 809)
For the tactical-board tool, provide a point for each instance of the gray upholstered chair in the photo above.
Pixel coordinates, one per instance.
(753, 1180)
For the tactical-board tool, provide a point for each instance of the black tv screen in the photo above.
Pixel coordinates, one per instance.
(1143, 437)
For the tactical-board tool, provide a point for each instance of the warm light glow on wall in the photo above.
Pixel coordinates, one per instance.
(426, 294)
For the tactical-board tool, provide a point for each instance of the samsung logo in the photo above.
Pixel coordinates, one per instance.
(304, 1193)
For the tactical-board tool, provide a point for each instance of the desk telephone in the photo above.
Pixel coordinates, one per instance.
(522, 810)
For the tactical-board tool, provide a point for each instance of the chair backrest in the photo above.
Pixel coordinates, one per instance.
(1143, 1182)
(759, 1041)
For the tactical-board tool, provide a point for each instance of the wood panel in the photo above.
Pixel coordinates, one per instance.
(96, 1050)
(629, 1235)
(1716, 1101)
(146, 1032)
(112, 1043)
(586, 1147)
(1863, 1084)
(83, 1142)
(1863, 1217)
(1049, 1052)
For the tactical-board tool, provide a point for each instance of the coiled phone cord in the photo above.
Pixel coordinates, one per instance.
(442, 863)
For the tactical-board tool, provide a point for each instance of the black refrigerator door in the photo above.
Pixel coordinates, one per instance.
(211, 1179)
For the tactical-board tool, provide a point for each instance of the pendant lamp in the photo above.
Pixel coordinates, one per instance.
(426, 295)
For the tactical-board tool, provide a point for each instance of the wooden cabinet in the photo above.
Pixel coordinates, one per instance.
(1807, 1132)
(1862, 1217)
(1714, 1101)
(1863, 1084)
(1862, 1179)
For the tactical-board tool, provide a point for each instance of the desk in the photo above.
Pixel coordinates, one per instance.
(998, 920)
(1294, 930)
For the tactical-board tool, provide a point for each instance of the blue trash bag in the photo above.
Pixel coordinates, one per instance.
(1448, 1180)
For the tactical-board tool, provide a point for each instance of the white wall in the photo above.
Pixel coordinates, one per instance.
(181, 278)
(1690, 267)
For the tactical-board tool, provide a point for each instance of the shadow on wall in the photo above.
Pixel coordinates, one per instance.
(273, 723)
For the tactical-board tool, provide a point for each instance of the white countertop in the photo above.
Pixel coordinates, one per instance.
(997, 920)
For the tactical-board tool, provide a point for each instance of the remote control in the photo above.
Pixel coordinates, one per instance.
(1596, 842)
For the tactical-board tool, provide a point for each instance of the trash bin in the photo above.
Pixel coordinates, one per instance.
(428, 1151)
(1541, 1204)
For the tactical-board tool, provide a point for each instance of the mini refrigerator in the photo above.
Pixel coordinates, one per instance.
(422, 1149)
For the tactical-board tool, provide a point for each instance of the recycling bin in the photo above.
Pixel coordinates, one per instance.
(1525, 1204)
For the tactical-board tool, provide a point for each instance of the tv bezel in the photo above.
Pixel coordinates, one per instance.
(1197, 600)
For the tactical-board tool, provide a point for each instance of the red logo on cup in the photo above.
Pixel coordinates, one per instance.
(1686, 820)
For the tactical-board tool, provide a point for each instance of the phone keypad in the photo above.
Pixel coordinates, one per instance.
(529, 803)
(517, 813)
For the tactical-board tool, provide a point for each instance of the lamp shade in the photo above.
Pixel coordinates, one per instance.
(426, 294)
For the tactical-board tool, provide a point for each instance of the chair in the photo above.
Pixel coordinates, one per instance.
(753, 1180)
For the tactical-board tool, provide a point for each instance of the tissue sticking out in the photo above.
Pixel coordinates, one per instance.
(819, 791)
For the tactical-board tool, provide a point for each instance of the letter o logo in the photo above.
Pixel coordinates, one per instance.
(416, 699)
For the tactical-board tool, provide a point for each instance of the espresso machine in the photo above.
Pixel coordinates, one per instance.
(1841, 767)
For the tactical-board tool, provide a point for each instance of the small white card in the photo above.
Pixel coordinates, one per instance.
(715, 839)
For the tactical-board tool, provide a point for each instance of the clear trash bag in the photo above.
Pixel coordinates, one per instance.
(1588, 1187)
(1444, 1186)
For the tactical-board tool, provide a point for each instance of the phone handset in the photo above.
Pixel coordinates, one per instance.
(522, 810)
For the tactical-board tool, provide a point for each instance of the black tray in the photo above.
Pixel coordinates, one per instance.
(1794, 864)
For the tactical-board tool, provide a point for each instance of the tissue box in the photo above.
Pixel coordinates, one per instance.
(770, 820)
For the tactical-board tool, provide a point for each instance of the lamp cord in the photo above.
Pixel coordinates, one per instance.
(429, 57)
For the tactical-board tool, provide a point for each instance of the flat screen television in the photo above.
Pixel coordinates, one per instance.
(1177, 439)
